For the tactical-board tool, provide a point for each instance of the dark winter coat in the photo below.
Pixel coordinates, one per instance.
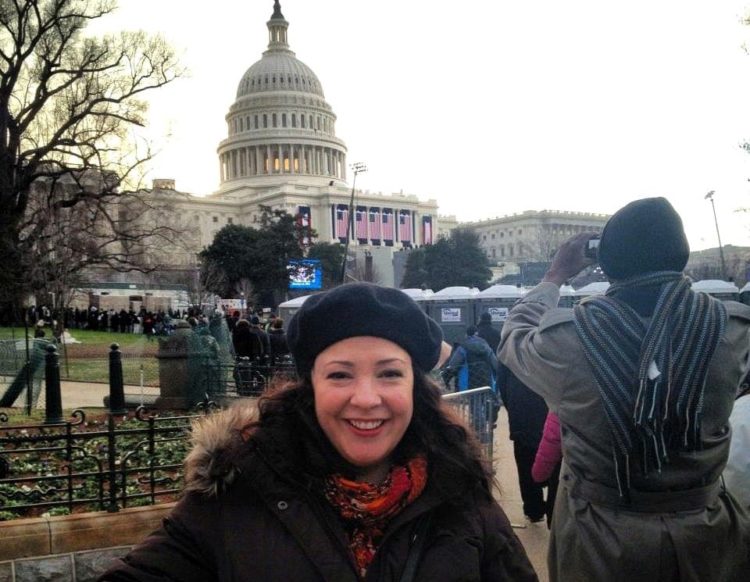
(251, 516)
(279, 347)
(247, 342)
(475, 363)
(527, 411)
(489, 334)
(681, 524)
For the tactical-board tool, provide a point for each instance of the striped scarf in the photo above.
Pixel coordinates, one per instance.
(651, 376)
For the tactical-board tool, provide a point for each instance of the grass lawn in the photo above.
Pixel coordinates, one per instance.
(87, 337)
(17, 415)
(88, 361)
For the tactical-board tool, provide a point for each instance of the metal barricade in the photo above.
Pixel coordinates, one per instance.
(251, 377)
(479, 408)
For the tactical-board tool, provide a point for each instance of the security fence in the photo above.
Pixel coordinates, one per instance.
(479, 408)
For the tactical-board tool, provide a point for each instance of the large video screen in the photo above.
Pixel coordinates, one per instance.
(305, 274)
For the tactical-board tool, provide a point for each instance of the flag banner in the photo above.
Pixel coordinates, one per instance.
(427, 230)
(305, 226)
(361, 224)
(342, 221)
(404, 227)
(375, 222)
(388, 226)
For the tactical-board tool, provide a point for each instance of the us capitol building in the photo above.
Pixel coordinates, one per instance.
(282, 151)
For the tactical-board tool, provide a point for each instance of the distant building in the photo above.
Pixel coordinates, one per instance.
(531, 236)
(282, 151)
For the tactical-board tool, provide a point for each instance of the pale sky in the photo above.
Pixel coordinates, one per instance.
(490, 107)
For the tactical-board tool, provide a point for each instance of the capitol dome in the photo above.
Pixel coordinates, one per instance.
(280, 125)
(279, 71)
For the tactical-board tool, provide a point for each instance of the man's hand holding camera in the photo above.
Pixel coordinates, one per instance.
(574, 255)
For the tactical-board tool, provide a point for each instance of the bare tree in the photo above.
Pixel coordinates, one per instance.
(70, 106)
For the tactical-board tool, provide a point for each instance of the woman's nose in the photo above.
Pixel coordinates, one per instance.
(365, 393)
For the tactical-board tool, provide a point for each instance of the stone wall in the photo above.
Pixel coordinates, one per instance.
(72, 548)
(73, 567)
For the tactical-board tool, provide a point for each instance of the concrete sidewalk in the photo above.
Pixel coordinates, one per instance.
(92, 394)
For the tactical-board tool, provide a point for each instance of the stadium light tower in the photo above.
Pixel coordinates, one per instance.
(357, 168)
(710, 196)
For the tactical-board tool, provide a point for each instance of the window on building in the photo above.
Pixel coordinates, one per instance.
(265, 120)
(256, 122)
(520, 231)
(215, 218)
(283, 120)
(302, 121)
(510, 250)
(229, 220)
(493, 236)
(273, 123)
(294, 120)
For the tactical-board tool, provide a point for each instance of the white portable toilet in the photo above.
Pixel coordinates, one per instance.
(745, 294)
(567, 296)
(724, 290)
(595, 288)
(453, 309)
(289, 308)
(419, 295)
(497, 301)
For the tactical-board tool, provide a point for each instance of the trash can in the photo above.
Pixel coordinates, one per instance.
(453, 309)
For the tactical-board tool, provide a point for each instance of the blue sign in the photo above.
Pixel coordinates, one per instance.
(305, 274)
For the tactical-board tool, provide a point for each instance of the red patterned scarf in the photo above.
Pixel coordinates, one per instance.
(367, 508)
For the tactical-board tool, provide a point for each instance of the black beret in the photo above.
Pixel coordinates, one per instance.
(362, 309)
(643, 237)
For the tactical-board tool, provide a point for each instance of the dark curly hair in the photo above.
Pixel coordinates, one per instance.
(287, 422)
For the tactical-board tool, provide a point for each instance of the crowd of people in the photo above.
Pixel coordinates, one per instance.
(622, 408)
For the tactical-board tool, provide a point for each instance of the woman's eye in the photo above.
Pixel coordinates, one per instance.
(392, 374)
(337, 375)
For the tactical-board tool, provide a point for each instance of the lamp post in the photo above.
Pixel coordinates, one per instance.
(357, 168)
(710, 196)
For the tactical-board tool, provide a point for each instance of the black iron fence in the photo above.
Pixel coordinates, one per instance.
(97, 464)
(118, 460)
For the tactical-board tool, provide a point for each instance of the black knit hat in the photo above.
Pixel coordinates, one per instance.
(362, 309)
(643, 237)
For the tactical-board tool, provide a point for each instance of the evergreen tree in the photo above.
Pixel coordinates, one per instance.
(330, 256)
(241, 255)
(454, 261)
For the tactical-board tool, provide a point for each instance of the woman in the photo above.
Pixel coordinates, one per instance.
(355, 472)
(277, 337)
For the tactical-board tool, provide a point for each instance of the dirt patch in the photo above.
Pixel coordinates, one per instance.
(78, 351)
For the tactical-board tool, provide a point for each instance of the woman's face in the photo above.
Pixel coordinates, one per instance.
(363, 390)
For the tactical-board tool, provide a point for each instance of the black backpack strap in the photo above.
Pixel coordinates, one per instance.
(416, 547)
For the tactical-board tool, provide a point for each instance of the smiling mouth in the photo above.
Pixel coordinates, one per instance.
(366, 424)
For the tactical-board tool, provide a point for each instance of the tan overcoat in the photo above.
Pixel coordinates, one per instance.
(681, 524)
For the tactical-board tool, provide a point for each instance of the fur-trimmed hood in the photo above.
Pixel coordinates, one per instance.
(219, 444)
